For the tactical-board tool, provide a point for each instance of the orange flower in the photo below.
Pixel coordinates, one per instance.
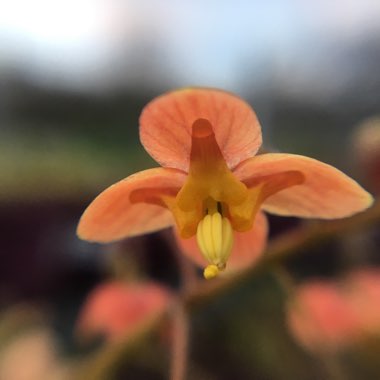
(211, 186)
(120, 310)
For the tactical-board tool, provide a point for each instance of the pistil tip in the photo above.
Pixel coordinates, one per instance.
(210, 272)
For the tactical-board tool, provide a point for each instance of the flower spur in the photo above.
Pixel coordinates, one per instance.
(211, 186)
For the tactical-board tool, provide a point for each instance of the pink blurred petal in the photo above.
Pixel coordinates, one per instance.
(364, 295)
(247, 249)
(117, 310)
(325, 193)
(112, 216)
(320, 317)
(165, 125)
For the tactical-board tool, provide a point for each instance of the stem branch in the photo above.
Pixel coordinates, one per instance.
(179, 358)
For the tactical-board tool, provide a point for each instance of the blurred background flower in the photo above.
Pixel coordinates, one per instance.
(118, 310)
(321, 318)
(29, 348)
(332, 315)
(366, 148)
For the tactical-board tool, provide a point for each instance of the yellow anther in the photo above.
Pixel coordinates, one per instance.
(215, 239)
(210, 271)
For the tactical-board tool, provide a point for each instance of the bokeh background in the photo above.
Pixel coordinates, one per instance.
(74, 76)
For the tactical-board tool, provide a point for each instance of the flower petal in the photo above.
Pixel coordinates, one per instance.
(364, 295)
(325, 192)
(247, 248)
(112, 216)
(166, 122)
(320, 317)
(118, 310)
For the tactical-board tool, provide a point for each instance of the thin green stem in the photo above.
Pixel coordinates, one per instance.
(284, 279)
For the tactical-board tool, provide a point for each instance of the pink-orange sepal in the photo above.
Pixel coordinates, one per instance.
(325, 193)
(112, 215)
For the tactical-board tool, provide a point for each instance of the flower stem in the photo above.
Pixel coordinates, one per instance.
(333, 367)
(180, 343)
(180, 318)
(284, 279)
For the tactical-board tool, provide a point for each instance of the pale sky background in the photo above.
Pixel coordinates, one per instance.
(95, 44)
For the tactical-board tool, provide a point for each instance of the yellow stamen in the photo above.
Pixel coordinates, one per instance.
(215, 239)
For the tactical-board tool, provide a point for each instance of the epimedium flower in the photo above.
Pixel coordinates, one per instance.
(211, 186)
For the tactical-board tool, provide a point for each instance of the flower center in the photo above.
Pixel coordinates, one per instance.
(212, 202)
(209, 177)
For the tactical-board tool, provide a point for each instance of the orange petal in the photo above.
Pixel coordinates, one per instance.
(325, 192)
(118, 310)
(247, 249)
(259, 189)
(112, 216)
(165, 126)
